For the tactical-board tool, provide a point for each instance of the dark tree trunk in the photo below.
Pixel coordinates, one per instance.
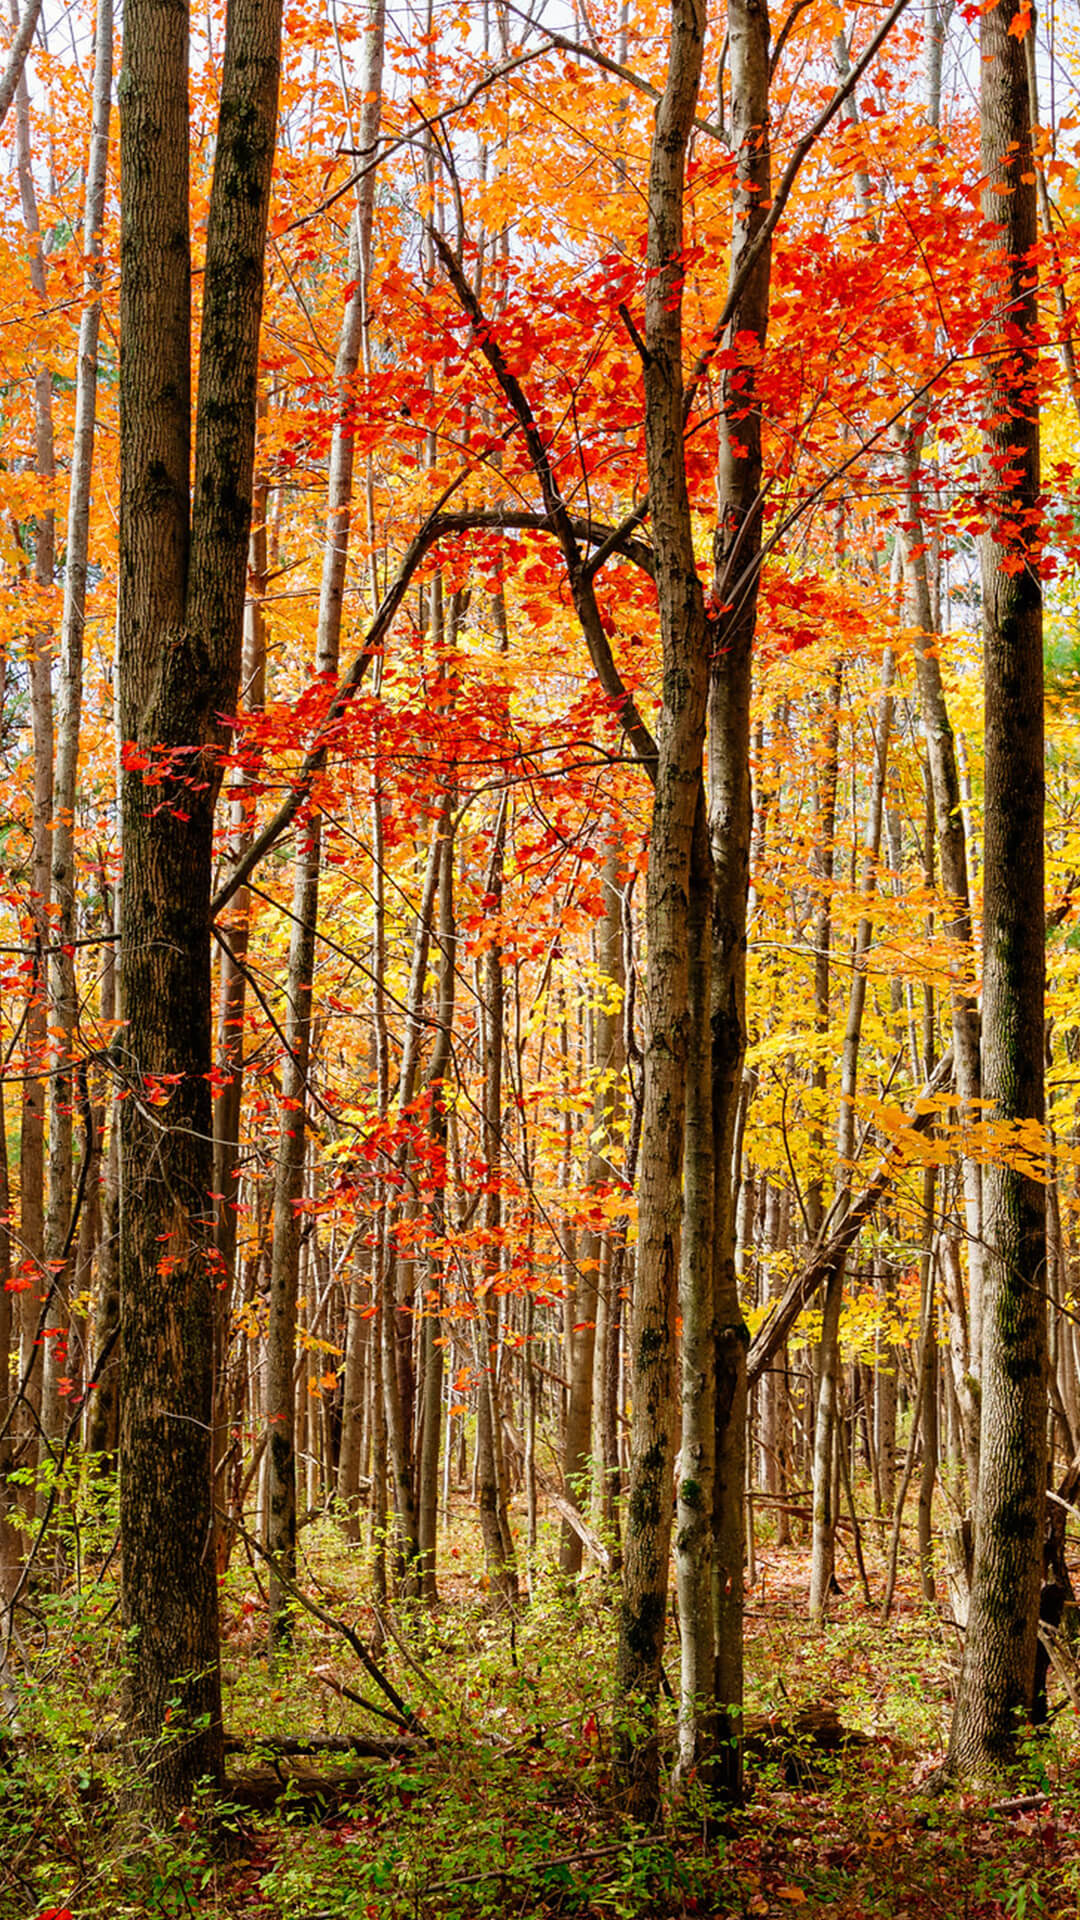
(997, 1679)
(737, 548)
(182, 585)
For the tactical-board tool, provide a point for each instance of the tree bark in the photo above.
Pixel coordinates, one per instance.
(43, 1398)
(824, 1537)
(997, 1677)
(64, 996)
(736, 556)
(180, 622)
(680, 743)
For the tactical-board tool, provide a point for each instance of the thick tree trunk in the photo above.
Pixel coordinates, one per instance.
(180, 626)
(997, 1678)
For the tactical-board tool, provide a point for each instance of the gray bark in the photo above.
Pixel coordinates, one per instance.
(680, 744)
(997, 1677)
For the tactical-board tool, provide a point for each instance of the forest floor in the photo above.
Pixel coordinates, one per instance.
(508, 1807)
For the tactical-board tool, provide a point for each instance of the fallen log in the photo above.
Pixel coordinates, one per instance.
(799, 1742)
(365, 1746)
(313, 1792)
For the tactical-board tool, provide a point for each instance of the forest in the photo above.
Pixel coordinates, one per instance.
(539, 937)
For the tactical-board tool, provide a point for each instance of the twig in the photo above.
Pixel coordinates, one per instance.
(408, 1718)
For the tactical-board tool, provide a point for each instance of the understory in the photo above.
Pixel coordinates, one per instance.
(506, 1803)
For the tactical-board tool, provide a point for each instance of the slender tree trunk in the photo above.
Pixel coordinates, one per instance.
(736, 558)
(44, 1401)
(13, 73)
(494, 1524)
(591, 1316)
(281, 1340)
(821, 1567)
(64, 996)
(678, 782)
(104, 1409)
(438, 1088)
(928, 1474)
(397, 1391)
(232, 1011)
(285, 1262)
(694, 1518)
(607, 1116)
(10, 1536)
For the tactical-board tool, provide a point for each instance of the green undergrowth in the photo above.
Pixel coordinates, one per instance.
(511, 1807)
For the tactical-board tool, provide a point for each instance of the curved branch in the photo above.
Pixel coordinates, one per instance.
(562, 524)
(438, 526)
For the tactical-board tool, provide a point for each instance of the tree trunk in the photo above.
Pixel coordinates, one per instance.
(694, 1519)
(611, 1053)
(590, 1332)
(180, 623)
(678, 781)
(281, 1437)
(64, 995)
(438, 1090)
(281, 1343)
(494, 1523)
(997, 1678)
(43, 1404)
(821, 1566)
(736, 560)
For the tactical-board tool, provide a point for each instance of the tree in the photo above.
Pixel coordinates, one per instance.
(182, 585)
(997, 1677)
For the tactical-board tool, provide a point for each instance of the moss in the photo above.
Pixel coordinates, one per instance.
(652, 1343)
(643, 1628)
